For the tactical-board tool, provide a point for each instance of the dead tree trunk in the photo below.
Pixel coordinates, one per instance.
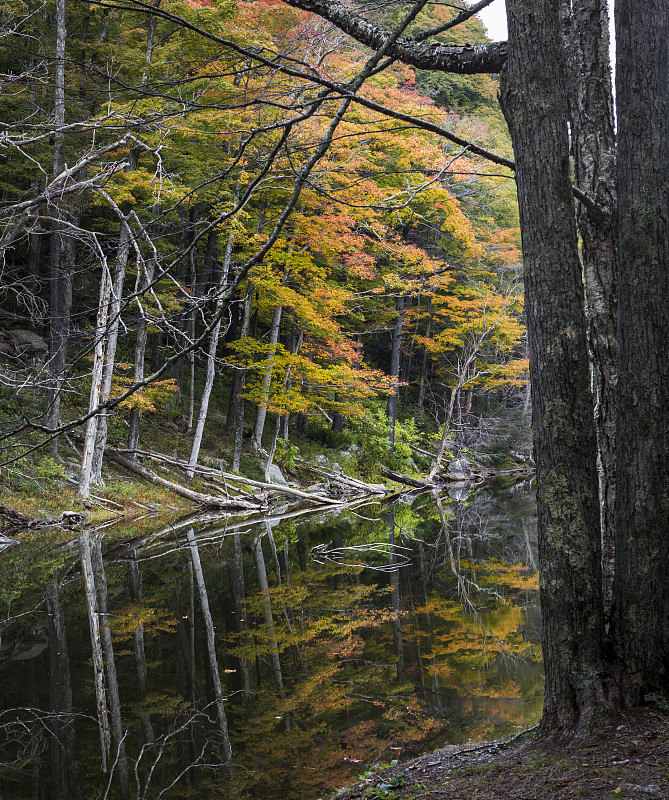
(211, 646)
(100, 580)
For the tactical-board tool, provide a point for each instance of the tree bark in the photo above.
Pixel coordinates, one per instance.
(586, 32)
(59, 314)
(535, 104)
(642, 509)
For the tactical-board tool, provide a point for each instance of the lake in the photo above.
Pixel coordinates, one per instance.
(273, 658)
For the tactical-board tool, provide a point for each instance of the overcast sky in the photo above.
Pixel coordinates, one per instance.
(494, 18)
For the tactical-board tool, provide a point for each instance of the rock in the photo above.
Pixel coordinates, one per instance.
(459, 493)
(337, 468)
(23, 347)
(378, 488)
(460, 467)
(316, 488)
(321, 460)
(274, 475)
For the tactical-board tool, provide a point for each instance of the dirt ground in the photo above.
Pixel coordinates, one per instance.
(627, 759)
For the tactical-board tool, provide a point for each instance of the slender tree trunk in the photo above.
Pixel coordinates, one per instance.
(586, 31)
(211, 646)
(238, 591)
(67, 767)
(642, 508)
(143, 282)
(267, 609)
(211, 355)
(96, 646)
(96, 384)
(261, 414)
(59, 316)
(534, 101)
(391, 407)
(422, 386)
(395, 599)
(135, 582)
(239, 375)
(110, 669)
(446, 432)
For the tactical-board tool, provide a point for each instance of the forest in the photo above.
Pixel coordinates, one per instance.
(243, 239)
(201, 225)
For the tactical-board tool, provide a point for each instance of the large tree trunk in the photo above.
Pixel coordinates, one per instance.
(642, 508)
(586, 31)
(535, 104)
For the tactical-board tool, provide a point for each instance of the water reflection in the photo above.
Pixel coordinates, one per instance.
(269, 659)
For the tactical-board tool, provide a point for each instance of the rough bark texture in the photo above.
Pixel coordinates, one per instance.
(468, 59)
(535, 105)
(586, 33)
(642, 509)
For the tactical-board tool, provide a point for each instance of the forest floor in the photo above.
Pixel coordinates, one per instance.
(629, 758)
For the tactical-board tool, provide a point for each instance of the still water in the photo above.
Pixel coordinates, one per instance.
(276, 658)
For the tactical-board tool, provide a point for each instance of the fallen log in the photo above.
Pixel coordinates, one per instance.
(16, 520)
(405, 479)
(346, 480)
(207, 500)
(229, 476)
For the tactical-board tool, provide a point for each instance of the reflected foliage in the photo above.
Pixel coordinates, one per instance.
(421, 629)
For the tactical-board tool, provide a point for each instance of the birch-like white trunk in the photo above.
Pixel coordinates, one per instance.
(110, 352)
(211, 360)
(96, 646)
(261, 414)
(211, 645)
(96, 385)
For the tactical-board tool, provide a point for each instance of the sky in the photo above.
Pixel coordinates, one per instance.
(494, 18)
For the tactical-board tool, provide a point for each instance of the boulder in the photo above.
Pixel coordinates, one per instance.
(460, 467)
(274, 475)
(23, 347)
(321, 460)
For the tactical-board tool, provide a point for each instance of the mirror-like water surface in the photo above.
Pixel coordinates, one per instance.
(274, 659)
